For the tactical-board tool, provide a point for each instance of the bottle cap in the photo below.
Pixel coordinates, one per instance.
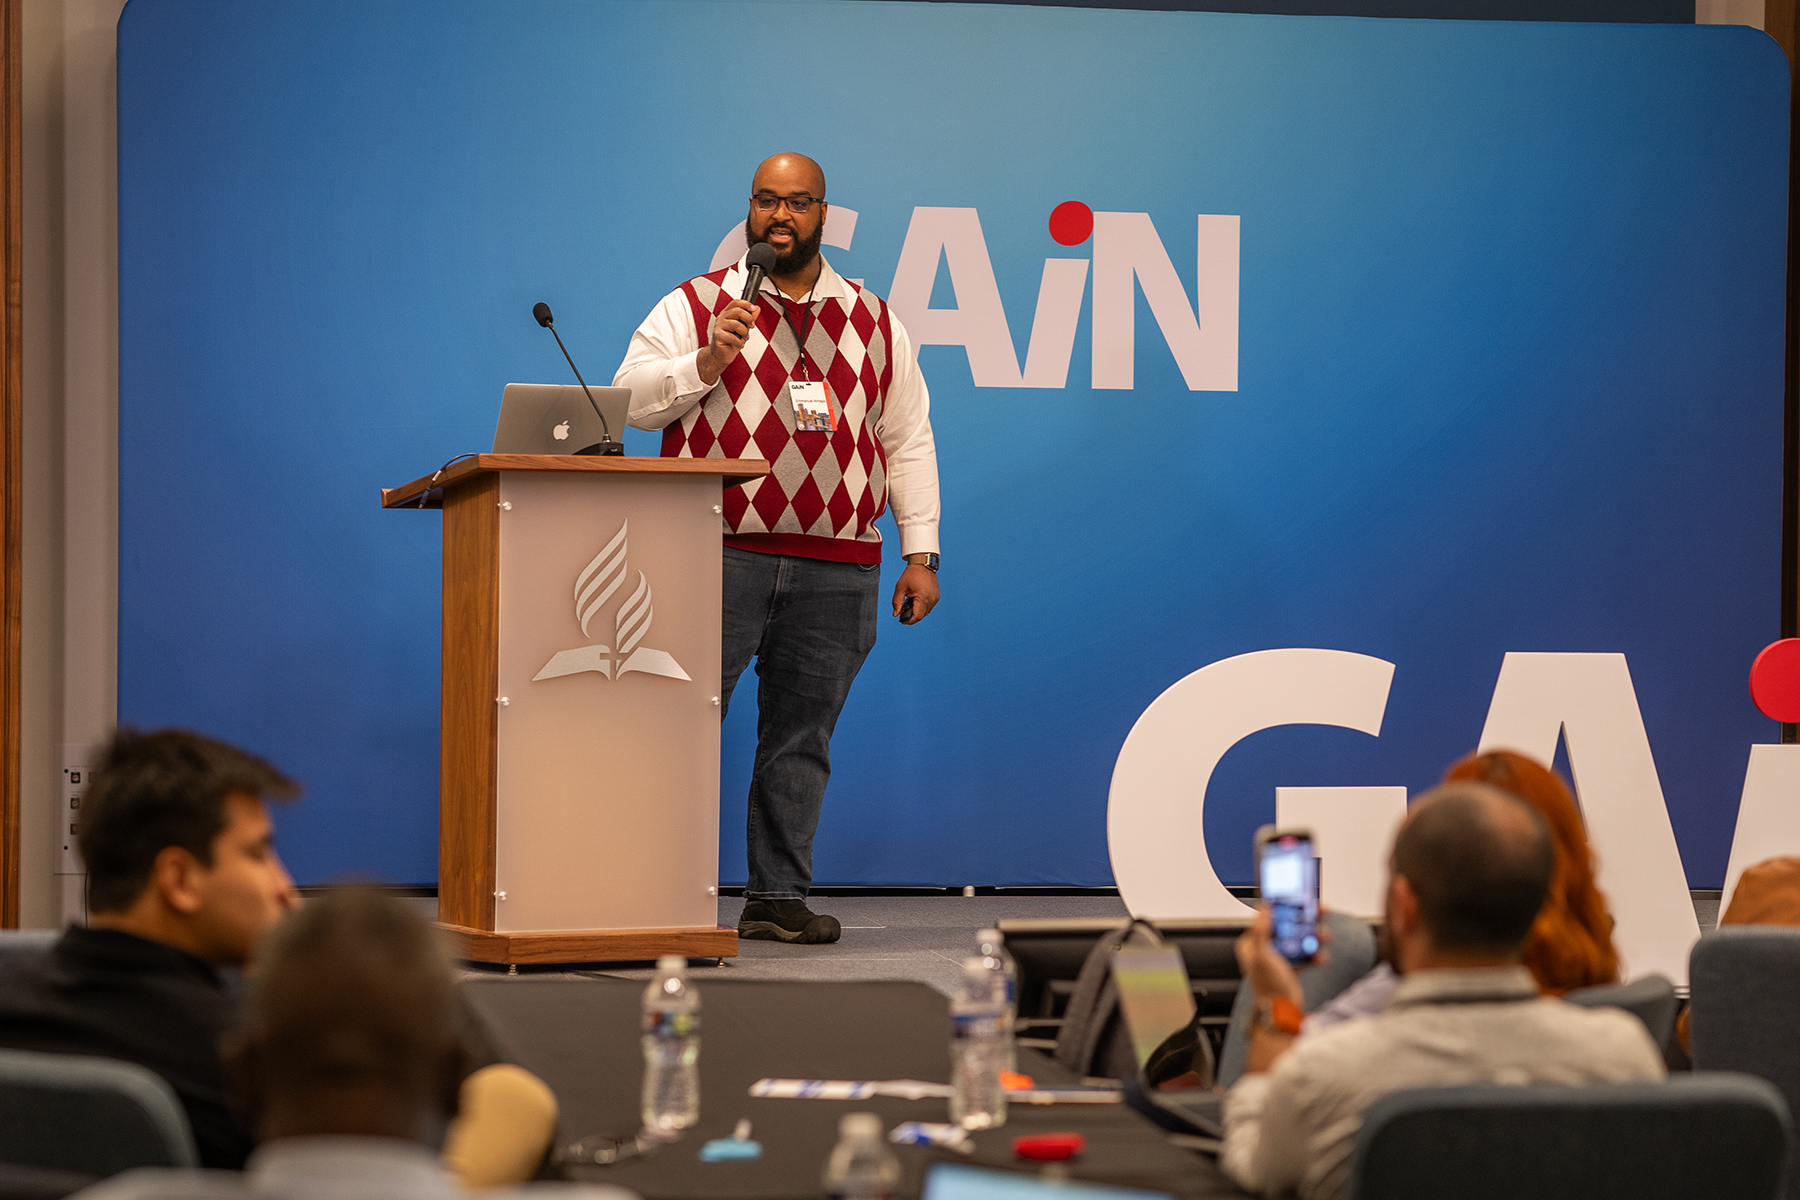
(671, 962)
(860, 1125)
(987, 935)
(975, 965)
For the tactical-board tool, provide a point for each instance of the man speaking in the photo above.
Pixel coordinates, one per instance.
(816, 375)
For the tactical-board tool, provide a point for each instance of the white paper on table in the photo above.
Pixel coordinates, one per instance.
(847, 1089)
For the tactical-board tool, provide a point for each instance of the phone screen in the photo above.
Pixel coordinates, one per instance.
(1290, 884)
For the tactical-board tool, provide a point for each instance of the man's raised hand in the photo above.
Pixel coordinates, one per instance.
(729, 333)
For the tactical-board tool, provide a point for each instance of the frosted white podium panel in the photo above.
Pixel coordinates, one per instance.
(579, 768)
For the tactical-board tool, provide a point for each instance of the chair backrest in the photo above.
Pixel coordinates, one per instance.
(95, 1116)
(17, 941)
(1706, 1134)
(1742, 980)
(1650, 999)
(1353, 954)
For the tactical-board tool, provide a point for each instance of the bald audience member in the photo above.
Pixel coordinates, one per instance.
(1471, 867)
(348, 1064)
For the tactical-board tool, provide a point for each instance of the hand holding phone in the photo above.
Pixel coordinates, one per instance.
(1288, 873)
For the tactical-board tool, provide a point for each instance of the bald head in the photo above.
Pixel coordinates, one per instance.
(788, 172)
(1480, 862)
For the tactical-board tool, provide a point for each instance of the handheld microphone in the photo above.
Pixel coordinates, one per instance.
(541, 311)
(756, 265)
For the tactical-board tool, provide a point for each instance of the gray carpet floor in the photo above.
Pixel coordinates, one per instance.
(923, 938)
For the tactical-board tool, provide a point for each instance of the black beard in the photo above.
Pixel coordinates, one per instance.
(799, 254)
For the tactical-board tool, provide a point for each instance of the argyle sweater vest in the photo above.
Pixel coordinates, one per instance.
(824, 490)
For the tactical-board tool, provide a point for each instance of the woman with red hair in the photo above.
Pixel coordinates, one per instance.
(1571, 944)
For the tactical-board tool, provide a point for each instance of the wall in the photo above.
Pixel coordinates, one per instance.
(70, 422)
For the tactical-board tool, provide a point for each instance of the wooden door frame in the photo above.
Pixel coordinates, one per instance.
(11, 406)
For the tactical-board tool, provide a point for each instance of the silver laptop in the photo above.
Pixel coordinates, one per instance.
(556, 418)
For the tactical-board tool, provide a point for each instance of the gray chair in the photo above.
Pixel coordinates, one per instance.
(16, 941)
(1352, 956)
(1650, 999)
(92, 1116)
(1742, 981)
(1701, 1135)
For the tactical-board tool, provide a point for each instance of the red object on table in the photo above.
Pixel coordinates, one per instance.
(1049, 1147)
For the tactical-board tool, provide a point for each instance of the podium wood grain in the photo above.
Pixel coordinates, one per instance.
(467, 759)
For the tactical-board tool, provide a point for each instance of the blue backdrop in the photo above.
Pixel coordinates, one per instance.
(1511, 302)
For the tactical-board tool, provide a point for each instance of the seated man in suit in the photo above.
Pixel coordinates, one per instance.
(348, 1061)
(182, 879)
(1471, 867)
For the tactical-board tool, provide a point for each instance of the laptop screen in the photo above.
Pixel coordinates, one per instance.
(953, 1181)
(1153, 994)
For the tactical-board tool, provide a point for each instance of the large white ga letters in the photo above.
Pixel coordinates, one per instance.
(1156, 805)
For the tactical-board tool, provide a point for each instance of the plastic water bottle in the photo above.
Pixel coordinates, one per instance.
(861, 1166)
(977, 1046)
(671, 1099)
(990, 945)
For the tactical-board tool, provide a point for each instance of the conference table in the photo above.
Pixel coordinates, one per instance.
(581, 1037)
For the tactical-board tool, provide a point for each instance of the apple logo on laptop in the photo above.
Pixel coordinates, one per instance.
(561, 432)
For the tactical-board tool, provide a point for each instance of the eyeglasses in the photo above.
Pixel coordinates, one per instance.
(795, 204)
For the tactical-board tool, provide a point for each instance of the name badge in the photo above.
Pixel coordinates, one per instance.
(813, 410)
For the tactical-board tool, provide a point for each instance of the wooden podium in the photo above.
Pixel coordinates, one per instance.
(578, 790)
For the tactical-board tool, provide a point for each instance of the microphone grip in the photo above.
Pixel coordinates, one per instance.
(753, 280)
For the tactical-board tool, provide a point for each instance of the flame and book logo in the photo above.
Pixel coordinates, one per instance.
(603, 577)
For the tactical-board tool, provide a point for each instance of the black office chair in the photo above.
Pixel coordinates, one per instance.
(1650, 999)
(1707, 1134)
(1742, 982)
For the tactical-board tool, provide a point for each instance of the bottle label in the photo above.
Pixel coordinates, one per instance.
(671, 1024)
(970, 1026)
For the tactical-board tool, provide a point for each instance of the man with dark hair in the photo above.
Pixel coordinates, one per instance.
(182, 879)
(349, 1063)
(1471, 867)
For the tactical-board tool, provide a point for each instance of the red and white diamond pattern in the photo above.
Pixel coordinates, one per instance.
(830, 485)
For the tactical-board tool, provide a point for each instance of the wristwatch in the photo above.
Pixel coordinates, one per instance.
(930, 563)
(1281, 1015)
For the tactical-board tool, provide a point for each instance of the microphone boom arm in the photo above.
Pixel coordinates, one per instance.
(604, 427)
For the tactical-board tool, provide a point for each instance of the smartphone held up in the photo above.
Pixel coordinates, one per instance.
(1287, 871)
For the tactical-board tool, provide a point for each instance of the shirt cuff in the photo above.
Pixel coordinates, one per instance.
(918, 539)
(685, 371)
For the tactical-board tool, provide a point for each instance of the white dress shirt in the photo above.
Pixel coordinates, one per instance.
(1293, 1128)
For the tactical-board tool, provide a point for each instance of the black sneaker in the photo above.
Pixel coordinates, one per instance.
(786, 921)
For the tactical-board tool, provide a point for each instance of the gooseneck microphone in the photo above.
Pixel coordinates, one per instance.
(756, 265)
(541, 311)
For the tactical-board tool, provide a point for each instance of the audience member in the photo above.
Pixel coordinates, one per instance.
(182, 879)
(1470, 870)
(1766, 894)
(1571, 941)
(348, 1064)
(1570, 945)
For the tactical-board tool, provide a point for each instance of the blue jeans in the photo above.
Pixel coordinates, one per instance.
(809, 624)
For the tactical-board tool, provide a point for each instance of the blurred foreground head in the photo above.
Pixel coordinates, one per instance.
(1571, 941)
(1472, 865)
(352, 1025)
